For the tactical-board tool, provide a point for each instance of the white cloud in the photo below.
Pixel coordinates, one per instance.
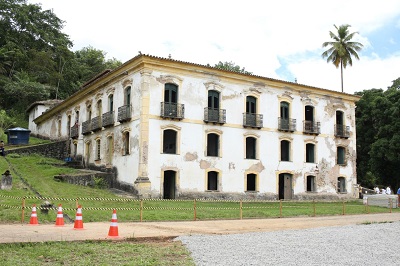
(253, 34)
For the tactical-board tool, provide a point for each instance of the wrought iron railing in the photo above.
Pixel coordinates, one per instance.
(214, 115)
(124, 113)
(286, 124)
(107, 119)
(75, 131)
(172, 110)
(252, 120)
(86, 127)
(311, 127)
(342, 131)
(96, 123)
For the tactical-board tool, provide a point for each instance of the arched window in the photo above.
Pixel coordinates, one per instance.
(251, 182)
(169, 141)
(212, 144)
(310, 153)
(170, 104)
(284, 123)
(251, 105)
(212, 180)
(128, 95)
(341, 156)
(125, 139)
(341, 187)
(111, 103)
(251, 147)
(285, 150)
(311, 187)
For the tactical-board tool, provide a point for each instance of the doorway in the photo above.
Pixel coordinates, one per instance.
(169, 185)
(285, 186)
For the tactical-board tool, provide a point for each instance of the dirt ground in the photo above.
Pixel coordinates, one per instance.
(167, 230)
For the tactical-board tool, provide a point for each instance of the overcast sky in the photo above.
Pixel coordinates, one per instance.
(276, 39)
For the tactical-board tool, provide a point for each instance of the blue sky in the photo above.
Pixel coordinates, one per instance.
(277, 39)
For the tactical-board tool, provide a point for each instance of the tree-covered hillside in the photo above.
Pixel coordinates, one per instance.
(36, 60)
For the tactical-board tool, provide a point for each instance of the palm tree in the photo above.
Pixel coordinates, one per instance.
(342, 48)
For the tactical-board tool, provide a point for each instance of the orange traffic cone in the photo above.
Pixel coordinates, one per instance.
(78, 218)
(113, 232)
(60, 217)
(34, 219)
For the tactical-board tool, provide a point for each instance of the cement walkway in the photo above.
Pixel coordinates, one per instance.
(99, 231)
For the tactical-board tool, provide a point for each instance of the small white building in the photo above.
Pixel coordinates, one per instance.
(173, 129)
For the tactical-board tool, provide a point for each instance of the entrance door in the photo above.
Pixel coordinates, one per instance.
(285, 186)
(169, 185)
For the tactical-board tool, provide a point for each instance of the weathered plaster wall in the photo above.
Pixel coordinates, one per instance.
(191, 162)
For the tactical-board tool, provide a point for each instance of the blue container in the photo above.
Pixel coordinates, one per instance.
(18, 135)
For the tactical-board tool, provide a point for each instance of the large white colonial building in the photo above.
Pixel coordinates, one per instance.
(172, 129)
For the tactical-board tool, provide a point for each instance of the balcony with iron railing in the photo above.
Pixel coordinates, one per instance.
(214, 115)
(252, 120)
(107, 119)
(124, 113)
(86, 127)
(342, 131)
(75, 131)
(172, 110)
(96, 123)
(286, 124)
(311, 127)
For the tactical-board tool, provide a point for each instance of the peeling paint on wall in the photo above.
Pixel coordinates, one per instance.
(204, 164)
(258, 168)
(190, 156)
(231, 96)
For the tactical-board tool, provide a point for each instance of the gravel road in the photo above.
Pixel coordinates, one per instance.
(361, 244)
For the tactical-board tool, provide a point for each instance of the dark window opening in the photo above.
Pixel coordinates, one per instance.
(126, 143)
(171, 93)
(341, 151)
(339, 118)
(111, 103)
(310, 151)
(285, 150)
(251, 105)
(311, 183)
(213, 99)
(251, 148)
(169, 141)
(285, 110)
(212, 180)
(309, 113)
(212, 144)
(128, 96)
(341, 188)
(251, 182)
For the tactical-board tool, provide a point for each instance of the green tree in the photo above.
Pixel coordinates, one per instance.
(341, 49)
(231, 66)
(84, 65)
(378, 136)
(25, 27)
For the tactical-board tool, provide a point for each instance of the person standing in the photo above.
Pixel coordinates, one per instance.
(398, 195)
(2, 148)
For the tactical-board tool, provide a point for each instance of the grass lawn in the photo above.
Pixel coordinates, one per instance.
(35, 173)
(33, 176)
(131, 252)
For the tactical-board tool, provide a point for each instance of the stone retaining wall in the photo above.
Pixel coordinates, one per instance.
(58, 150)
